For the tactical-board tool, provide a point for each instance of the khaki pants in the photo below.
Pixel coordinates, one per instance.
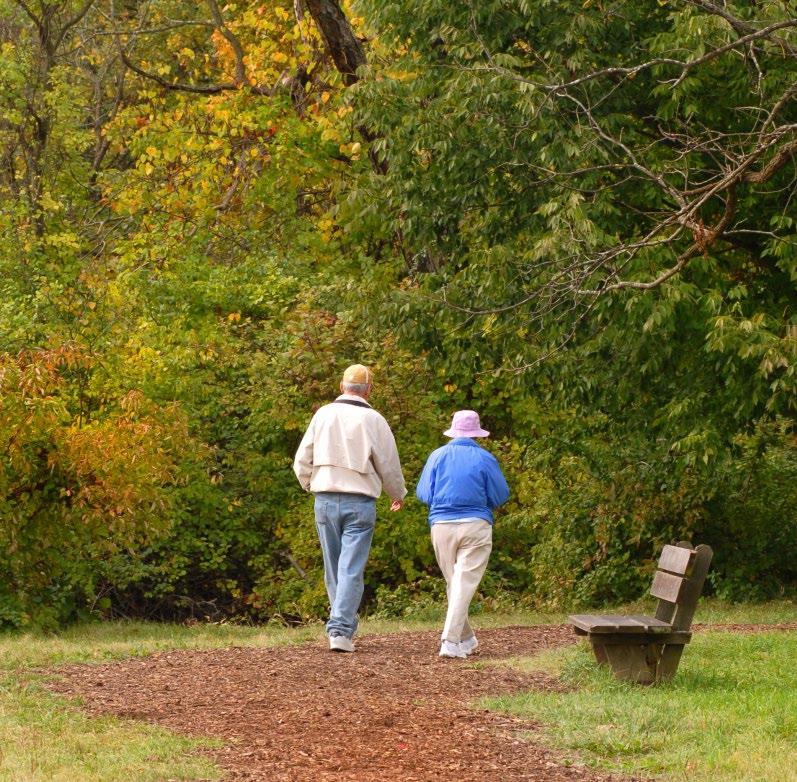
(462, 550)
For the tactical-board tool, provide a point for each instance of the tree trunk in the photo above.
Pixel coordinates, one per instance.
(344, 46)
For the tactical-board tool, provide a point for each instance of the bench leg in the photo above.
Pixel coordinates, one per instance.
(600, 653)
(633, 662)
(643, 663)
(668, 665)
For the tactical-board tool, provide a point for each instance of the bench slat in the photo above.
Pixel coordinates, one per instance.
(677, 560)
(618, 639)
(668, 587)
(591, 621)
(613, 623)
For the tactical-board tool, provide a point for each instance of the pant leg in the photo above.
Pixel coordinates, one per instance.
(444, 543)
(474, 544)
(327, 522)
(358, 518)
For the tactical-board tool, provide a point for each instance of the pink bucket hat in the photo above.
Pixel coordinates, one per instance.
(465, 423)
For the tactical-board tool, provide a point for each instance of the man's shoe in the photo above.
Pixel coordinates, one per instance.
(469, 645)
(449, 649)
(339, 643)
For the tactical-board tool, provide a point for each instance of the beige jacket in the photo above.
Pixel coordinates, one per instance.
(349, 449)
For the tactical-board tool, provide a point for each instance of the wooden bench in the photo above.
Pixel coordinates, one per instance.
(647, 649)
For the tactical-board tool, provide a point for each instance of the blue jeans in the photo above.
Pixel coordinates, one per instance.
(345, 524)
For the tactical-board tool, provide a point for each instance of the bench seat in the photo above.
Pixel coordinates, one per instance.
(613, 623)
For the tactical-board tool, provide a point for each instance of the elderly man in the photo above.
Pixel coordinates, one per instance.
(346, 457)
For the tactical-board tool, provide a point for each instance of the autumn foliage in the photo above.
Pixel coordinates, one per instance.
(547, 212)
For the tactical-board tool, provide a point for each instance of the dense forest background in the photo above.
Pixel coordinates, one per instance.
(576, 217)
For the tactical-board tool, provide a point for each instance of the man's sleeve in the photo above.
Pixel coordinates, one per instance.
(386, 461)
(497, 488)
(303, 462)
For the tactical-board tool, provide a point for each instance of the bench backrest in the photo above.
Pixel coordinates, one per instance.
(679, 581)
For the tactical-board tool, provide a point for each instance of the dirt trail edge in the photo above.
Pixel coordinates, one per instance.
(391, 711)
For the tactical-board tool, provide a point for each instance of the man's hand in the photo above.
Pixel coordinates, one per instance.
(396, 505)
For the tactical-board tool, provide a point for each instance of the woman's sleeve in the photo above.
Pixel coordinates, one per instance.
(424, 491)
(497, 488)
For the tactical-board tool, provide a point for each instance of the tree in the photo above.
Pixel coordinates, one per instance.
(587, 148)
(596, 206)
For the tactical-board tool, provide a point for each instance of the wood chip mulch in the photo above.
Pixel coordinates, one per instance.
(392, 711)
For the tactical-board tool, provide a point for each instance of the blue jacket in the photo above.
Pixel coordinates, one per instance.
(461, 480)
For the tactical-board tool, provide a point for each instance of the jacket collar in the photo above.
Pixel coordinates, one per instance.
(353, 398)
(465, 441)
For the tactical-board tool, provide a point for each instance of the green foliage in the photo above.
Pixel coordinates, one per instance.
(184, 274)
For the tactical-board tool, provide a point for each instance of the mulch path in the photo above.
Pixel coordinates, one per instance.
(393, 711)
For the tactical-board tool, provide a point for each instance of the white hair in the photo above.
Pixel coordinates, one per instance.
(361, 389)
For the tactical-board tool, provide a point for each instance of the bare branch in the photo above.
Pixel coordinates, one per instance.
(70, 23)
(240, 69)
(739, 25)
(781, 158)
(202, 89)
(704, 238)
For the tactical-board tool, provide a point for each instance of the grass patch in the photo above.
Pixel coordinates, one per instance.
(714, 611)
(41, 740)
(728, 716)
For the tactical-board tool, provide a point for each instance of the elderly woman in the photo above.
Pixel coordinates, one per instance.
(462, 484)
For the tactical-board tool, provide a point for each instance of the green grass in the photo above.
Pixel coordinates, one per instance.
(730, 715)
(45, 737)
(40, 739)
(713, 611)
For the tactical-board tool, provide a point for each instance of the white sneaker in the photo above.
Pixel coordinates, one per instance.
(449, 649)
(339, 643)
(469, 645)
